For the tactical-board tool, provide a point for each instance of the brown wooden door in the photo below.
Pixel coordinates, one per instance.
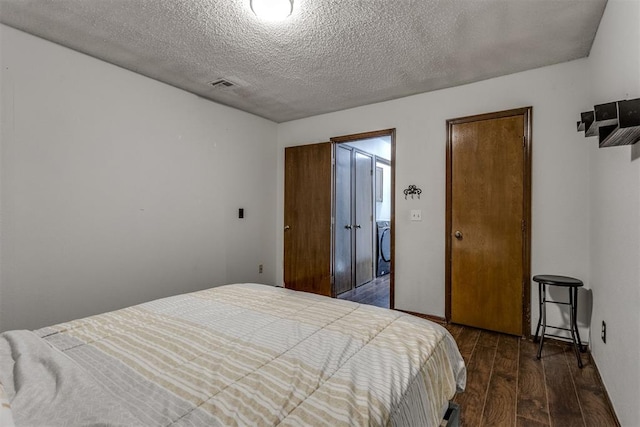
(488, 210)
(307, 218)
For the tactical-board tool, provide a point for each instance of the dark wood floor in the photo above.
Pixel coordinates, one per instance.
(376, 292)
(508, 386)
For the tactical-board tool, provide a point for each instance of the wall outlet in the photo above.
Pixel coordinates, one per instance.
(416, 215)
(603, 334)
(260, 269)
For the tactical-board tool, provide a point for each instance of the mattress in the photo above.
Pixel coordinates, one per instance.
(243, 354)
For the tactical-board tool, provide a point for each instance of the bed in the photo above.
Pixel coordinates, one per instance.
(243, 354)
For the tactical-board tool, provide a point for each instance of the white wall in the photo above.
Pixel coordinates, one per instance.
(117, 189)
(560, 172)
(383, 208)
(615, 214)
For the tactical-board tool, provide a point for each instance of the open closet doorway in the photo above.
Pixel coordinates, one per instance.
(363, 217)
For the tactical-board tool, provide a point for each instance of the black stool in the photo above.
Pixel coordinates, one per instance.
(573, 285)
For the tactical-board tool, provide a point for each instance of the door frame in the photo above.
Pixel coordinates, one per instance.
(526, 112)
(375, 134)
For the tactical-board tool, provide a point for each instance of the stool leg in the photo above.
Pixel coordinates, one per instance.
(575, 319)
(573, 297)
(543, 317)
(535, 338)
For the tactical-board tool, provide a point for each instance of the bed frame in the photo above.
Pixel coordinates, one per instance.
(452, 416)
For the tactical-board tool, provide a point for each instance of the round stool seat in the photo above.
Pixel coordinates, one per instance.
(550, 279)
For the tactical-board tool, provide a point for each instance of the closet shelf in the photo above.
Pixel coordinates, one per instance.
(614, 123)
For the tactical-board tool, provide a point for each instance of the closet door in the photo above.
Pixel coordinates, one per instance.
(488, 202)
(343, 266)
(363, 218)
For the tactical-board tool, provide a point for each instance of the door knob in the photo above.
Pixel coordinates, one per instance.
(458, 235)
(286, 227)
(348, 227)
(358, 226)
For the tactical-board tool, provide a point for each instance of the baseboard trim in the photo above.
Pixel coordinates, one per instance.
(604, 389)
(436, 319)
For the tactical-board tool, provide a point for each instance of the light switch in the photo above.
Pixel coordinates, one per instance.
(416, 215)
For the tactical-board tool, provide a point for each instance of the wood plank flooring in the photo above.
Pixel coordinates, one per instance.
(376, 292)
(508, 386)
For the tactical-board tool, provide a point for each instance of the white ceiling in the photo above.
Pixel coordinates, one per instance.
(329, 55)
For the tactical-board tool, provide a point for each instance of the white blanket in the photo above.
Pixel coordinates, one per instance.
(234, 355)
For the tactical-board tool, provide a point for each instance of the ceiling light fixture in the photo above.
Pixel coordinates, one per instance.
(272, 10)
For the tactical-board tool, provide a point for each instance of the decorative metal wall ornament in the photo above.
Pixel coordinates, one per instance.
(412, 190)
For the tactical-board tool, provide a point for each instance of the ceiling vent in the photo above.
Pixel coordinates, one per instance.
(221, 84)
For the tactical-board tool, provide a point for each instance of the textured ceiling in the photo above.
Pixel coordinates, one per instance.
(328, 55)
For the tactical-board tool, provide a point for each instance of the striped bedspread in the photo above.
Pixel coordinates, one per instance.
(243, 354)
